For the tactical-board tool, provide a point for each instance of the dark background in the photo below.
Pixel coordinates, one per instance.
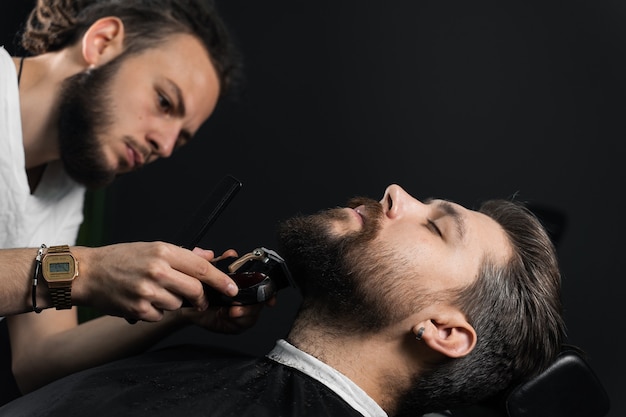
(454, 99)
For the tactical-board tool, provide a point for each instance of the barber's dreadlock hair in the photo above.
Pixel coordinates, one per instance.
(56, 24)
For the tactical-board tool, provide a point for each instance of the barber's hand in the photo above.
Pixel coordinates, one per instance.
(141, 280)
(225, 319)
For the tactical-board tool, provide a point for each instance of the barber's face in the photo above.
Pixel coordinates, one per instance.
(130, 112)
(377, 262)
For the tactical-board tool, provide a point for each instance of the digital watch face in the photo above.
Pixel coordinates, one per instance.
(58, 267)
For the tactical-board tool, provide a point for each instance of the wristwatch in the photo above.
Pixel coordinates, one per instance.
(59, 268)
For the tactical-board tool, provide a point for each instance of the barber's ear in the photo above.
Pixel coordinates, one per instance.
(103, 41)
(449, 334)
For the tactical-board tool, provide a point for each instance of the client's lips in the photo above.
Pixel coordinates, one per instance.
(360, 212)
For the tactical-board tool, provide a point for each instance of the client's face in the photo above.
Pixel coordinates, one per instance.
(329, 259)
(374, 263)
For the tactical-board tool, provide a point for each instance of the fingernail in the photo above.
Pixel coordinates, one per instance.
(232, 289)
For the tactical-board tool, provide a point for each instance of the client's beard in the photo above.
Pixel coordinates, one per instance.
(345, 279)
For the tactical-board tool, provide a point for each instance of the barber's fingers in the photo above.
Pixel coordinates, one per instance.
(209, 255)
(149, 302)
(206, 254)
(170, 274)
(229, 253)
(249, 310)
(232, 320)
(227, 319)
(189, 271)
(141, 279)
(245, 316)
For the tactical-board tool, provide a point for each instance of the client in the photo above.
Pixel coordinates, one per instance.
(408, 308)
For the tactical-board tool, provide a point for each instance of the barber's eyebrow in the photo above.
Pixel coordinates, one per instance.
(179, 108)
(448, 209)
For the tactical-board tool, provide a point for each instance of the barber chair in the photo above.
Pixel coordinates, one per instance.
(568, 388)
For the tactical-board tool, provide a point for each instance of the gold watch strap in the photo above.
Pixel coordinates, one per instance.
(58, 249)
(61, 295)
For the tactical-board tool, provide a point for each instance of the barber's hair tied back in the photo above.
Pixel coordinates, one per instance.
(55, 24)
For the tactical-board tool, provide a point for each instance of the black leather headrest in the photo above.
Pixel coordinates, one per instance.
(568, 388)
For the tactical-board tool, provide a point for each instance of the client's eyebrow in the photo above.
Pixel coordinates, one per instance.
(448, 209)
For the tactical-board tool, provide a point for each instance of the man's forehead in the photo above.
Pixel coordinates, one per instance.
(475, 228)
(490, 235)
(183, 63)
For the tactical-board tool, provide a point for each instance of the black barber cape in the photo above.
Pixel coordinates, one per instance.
(184, 381)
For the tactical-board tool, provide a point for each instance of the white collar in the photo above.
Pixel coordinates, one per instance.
(291, 356)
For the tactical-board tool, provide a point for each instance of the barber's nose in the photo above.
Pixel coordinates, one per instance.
(397, 202)
(164, 141)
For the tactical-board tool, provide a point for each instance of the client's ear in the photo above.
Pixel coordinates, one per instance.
(448, 333)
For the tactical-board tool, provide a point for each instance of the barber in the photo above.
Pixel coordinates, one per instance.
(106, 88)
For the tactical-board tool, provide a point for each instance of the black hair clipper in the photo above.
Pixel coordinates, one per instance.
(259, 275)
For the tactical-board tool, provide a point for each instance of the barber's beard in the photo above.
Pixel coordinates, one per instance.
(351, 283)
(83, 116)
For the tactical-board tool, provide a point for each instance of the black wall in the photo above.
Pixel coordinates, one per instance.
(456, 99)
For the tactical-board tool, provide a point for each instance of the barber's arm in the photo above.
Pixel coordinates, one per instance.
(121, 279)
(16, 273)
(141, 280)
(133, 280)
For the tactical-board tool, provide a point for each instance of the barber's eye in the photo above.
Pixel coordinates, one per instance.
(164, 103)
(434, 227)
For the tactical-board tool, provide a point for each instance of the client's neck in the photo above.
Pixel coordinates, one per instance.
(374, 361)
